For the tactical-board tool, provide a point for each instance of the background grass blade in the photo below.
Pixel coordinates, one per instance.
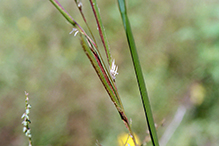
(138, 72)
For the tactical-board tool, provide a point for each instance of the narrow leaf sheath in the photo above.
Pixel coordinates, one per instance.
(101, 70)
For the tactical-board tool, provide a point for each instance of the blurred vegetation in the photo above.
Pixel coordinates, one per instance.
(178, 45)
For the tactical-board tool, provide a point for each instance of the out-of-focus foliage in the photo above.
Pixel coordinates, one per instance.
(178, 45)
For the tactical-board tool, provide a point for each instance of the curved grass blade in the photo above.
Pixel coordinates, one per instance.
(138, 72)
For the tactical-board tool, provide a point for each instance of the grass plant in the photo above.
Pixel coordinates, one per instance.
(107, 71)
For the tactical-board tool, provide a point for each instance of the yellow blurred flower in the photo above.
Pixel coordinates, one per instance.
(125, 139)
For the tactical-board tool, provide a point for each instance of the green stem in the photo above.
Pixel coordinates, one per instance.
(79, 5)
(139, 74)
(101, 30)
(69, 18)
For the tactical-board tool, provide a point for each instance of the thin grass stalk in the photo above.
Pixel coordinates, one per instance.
(138, 72)
(80, 7)
(101, 30)
(70, 19)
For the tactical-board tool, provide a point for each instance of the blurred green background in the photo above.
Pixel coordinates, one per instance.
(178, 46)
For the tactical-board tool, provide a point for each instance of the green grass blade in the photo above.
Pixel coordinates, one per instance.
(139, 74)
